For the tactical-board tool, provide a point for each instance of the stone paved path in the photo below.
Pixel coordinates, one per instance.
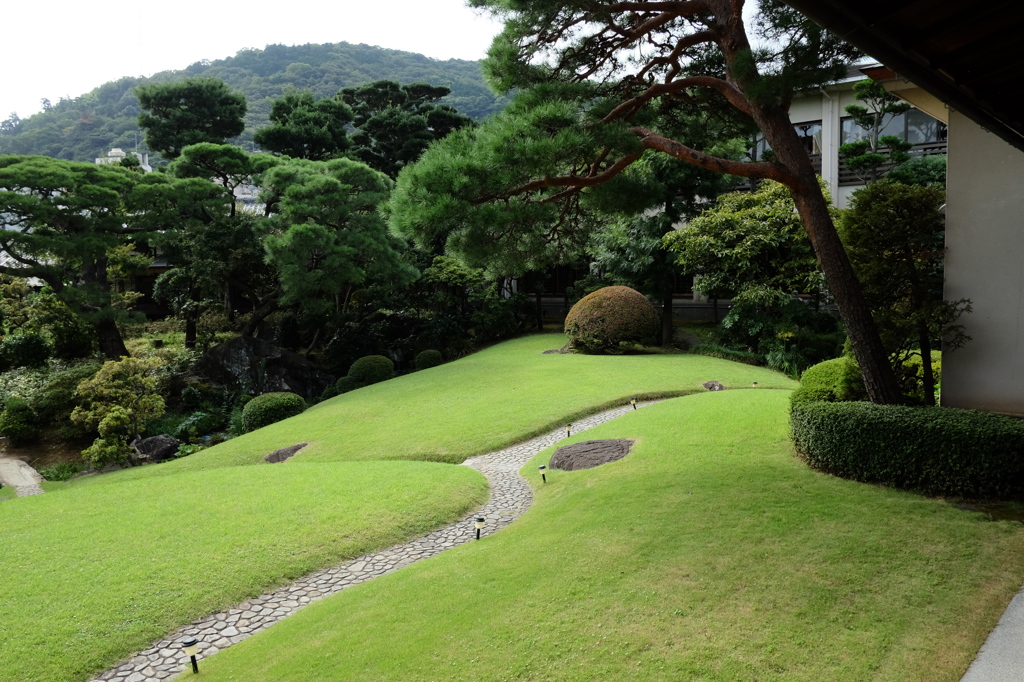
(24, 479)
(510, 497)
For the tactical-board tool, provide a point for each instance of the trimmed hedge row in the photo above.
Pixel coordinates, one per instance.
(937, 451)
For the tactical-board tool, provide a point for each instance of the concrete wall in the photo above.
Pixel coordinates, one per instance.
(985, 263)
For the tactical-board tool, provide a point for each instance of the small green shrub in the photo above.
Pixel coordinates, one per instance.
(346, 384)
(428, 359)
(55, 400)
(269, 408)
(714, 350)
(199, 423)
(837, 380)
(60, 471)
(25, 350)
(18, 423)
(609, 317)
(372, 369)
(934, 450)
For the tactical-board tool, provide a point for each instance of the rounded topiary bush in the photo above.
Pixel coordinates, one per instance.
(17, 423)
(372, 369)
(269, 408)
(346, 384)
(835, 380)
(611, 316)
(428, 359)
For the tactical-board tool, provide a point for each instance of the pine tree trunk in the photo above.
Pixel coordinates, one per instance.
(879, 379)
(109, 336)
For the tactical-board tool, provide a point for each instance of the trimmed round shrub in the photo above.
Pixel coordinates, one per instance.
(611, 316)
(428, 359)
(25, 350)
(934, 450)
(346, 384)
(269, 408)
(835, 380)
(372, 369)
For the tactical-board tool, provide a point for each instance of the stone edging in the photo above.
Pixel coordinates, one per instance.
(510, 496)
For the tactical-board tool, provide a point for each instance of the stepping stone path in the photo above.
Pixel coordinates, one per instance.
(511, 495)
(24, 479)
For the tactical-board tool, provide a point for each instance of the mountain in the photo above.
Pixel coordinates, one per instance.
(85, 127)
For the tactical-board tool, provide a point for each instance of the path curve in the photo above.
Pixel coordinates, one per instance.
(17, 474)
(510, 496)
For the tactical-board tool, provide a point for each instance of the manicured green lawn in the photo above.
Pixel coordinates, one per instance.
(89, 576)
(709, 553)
(480, 403)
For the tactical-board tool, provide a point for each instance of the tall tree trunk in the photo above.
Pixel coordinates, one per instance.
(666, 317)
(111, 343)
(191, 319)
(928, 376)
(879, 379)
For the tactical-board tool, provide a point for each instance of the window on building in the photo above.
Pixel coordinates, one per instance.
(914, 126)
(809, 133)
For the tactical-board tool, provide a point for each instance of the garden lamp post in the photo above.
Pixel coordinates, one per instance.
(568, 430)
(632, 401)
(479, 525)
(755, 384)
(543, 473)
(190, 645)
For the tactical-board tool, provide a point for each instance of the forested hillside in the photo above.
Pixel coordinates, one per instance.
(85, 127)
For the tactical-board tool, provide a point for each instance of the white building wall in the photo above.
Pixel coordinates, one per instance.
(985, 263)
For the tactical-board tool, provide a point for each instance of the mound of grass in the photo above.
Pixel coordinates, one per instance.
(480, 403)
(709, 552)
(93, 575)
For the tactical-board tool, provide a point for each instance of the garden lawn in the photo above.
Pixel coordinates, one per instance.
(92, 575)
(483, 402)
(710, 552)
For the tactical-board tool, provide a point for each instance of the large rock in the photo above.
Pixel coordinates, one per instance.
(156, 448)
(589, 454)
(255, 366)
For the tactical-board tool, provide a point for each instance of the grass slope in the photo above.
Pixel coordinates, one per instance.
(91, 575)
(710, 552)
(480, 403)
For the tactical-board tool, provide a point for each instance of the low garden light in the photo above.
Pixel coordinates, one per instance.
(568, 430)
(190, 645)
(479, 526)
(632, 401)
(755, 384)
(543, 473)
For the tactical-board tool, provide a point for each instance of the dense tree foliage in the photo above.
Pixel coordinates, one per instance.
(175, 115)
(396, 123)
(304, 127)
(84, 127)
(591, 75)
(865, 157)
(71, 224)
(894, 234)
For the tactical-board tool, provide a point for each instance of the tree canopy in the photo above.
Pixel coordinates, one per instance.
(591, 76)
(68, 223)
(175, 115)
(304, 127)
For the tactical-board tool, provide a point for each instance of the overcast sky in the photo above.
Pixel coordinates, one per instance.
(66, 48)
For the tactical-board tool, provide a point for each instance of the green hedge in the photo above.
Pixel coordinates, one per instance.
(934, 450)
(611, 316)
(269, 408)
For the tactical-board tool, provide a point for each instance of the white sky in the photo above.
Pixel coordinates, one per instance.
(66, 48)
